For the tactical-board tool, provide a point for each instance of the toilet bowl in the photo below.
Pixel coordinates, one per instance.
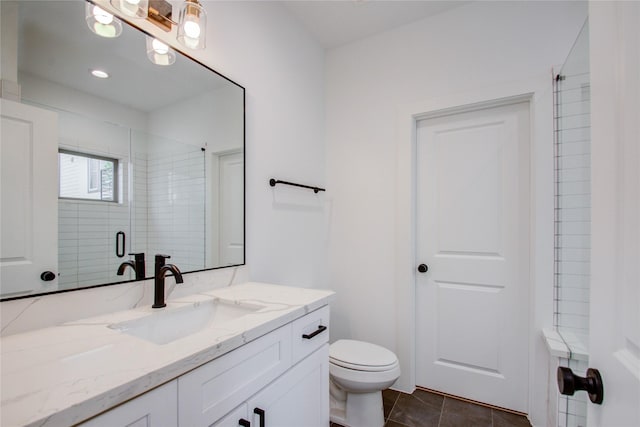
(358, 372)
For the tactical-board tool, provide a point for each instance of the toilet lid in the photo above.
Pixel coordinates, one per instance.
(361, 356)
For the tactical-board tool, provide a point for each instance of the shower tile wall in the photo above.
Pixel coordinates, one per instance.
(166, 216)
(573, 221)
(573, 194)
(87, 229)
(86, 240)
(572, 410)
(169, 202)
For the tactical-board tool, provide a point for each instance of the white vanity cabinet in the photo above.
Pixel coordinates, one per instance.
(282, 374)
(212, 390)
(155, 408)
(278, 380)
(299, 398)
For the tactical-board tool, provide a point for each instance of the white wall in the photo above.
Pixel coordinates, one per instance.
(35, 89)
(260, 46)
(214, 120)
(473, 47)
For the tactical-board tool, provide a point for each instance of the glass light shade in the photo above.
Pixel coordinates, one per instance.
(102, 22)
(159, 53)
(192, 25)
(133, 8)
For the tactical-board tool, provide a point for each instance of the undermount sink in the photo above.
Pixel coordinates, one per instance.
(170, 324)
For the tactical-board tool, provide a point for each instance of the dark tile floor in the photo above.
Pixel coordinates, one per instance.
(426, 409)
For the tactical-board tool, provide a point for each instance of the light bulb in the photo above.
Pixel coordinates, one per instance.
(133, 8)
(99, 74)
(192, 25)
(159, 47)
(102, 16)
(192, 29)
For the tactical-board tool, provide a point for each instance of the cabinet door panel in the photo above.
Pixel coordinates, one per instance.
(298, 398)
(156, 408)
(233, 418)
(212, 390)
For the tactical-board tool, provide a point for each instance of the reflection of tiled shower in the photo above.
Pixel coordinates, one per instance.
(168, 201)
(572, 119)
(87, 229)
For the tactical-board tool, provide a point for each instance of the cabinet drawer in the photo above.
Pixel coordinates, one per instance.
(212, 390)
(308, 333)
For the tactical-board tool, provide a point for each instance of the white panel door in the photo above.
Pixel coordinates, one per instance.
(29, 198)
(231, 209)
(614, 339)
(473, 234)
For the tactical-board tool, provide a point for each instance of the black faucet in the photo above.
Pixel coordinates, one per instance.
(137, 266)
(160, 271)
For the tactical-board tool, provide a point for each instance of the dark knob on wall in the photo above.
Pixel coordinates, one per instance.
(48, 276)
(569, 383)
(423, 268)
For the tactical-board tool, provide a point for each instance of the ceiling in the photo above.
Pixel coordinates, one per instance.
(335, 23)
(56, 44)
(61, 47)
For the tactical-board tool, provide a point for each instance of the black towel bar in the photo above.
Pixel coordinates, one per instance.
(273, 182)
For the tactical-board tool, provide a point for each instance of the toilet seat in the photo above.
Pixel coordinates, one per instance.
(362, 356)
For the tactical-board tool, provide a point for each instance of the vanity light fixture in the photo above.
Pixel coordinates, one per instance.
(133, 8)
(192, 24)
(99, 74)
(102, 22)
(159, 53)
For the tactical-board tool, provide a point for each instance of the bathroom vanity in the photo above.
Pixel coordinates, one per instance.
(246, 355)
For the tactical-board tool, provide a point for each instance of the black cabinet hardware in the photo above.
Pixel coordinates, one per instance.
(120, 244)
(320, 330)
(47, 276)
(569, 383)
(260, 413)
(423, 268)
(244, 423)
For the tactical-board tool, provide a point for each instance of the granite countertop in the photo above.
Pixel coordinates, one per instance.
(66, 374)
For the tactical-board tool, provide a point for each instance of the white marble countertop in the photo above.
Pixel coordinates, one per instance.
(62, 375)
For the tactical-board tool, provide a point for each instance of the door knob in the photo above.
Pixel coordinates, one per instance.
(423, 268)
(48, 276)
(569, 383)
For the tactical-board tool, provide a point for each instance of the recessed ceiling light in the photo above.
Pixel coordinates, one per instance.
(99, 74)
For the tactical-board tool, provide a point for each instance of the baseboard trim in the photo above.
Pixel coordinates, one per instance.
(475, 402)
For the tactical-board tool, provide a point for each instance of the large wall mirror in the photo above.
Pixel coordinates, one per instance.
(149, 160)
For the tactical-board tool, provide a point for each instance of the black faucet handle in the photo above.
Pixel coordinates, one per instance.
(138, 255)
(161, 258)
(160, 261)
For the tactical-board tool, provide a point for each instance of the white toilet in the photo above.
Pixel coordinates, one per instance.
(359, 371)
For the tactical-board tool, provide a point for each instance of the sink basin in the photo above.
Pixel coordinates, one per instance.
(170, 324)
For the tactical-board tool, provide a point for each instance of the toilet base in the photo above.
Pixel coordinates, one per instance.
(360, 410)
